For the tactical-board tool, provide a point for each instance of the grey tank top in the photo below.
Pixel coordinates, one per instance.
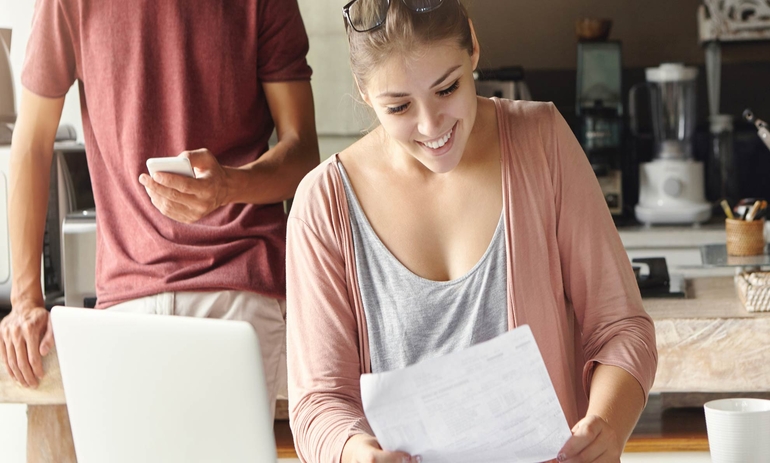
(410, 318)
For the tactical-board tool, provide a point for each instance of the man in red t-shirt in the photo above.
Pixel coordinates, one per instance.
(208, 80)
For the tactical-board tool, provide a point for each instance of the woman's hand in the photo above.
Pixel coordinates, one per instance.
(593, 440)
(363, 448)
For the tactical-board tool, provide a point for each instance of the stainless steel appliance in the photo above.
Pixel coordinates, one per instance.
(79, 258)
(70, 190)
(671, 187)
(7, 102)
(599, 106)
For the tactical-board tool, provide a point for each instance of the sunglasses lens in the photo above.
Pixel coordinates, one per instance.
(422, 6)
(365, 15)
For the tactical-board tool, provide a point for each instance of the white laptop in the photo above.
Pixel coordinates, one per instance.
(162, 389)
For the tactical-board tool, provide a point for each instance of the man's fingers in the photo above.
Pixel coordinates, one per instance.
(173, 210)
(33, 353)
(22, 360)
(202, 158)
(48, 341)
(10, 352)
(4, 356)
(170, 186)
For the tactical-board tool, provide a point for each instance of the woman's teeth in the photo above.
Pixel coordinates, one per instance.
(440, 142)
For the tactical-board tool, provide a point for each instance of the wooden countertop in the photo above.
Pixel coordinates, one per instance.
(707, 298)
(49, 392)
(709, 342)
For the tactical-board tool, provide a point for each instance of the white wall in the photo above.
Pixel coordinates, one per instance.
(339, 118)
(17, 15)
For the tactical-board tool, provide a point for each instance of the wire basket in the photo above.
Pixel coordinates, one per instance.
(754, 290)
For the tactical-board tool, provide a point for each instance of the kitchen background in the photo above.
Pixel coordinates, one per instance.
(540, 37)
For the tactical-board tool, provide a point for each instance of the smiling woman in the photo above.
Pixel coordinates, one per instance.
(456, 219)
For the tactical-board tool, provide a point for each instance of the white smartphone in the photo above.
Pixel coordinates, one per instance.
(172, 165)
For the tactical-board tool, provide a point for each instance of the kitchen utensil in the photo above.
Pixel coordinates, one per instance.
(762, 128)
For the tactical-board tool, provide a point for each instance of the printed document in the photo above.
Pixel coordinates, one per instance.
(493, 402)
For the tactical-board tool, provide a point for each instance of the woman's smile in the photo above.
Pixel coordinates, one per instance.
(440, 145)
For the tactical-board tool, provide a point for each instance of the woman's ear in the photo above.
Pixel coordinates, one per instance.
(476, 51)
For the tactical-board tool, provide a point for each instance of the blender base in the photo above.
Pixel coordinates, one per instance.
(697, 213)
(671, 192)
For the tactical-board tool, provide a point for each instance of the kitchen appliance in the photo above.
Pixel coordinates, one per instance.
(507, 82)
(69, 190)
(7, 103)
(654, 280)
(78, 249)
(599, 107)
(671, 186)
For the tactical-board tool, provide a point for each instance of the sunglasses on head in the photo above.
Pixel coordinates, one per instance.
(367, 15)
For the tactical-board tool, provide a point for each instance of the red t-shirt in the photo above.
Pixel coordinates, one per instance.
(157, 78)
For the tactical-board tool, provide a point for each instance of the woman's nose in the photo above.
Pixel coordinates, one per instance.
(430, 122)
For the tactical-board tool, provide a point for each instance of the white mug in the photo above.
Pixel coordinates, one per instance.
(738, 430)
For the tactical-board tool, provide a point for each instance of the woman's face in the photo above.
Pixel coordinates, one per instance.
(426, 102)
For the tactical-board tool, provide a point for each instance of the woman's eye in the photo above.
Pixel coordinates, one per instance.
(449, 90)
(396, 109)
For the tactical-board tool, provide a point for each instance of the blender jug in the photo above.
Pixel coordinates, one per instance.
(671, 186)
(672, 89)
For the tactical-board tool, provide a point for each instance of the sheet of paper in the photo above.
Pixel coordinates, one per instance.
(492, 402)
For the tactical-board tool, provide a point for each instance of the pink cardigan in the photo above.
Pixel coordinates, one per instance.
(569, 278)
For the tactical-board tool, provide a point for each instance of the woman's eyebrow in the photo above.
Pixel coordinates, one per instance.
(436, 83)
(443, 78)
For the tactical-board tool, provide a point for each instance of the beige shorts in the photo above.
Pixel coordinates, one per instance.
(266, 315)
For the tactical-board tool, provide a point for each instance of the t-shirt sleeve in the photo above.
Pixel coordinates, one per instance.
(283, 42)
(50, 67)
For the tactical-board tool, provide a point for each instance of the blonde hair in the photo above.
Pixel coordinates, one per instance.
(404, 32)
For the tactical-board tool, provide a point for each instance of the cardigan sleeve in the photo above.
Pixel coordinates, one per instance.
(598, 278)
(322, 349)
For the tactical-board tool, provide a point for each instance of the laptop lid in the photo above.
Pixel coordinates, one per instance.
(154, 388)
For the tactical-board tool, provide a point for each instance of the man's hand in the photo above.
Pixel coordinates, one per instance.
(185, 199)
(363, 448)
(593, 440)
(21, 347)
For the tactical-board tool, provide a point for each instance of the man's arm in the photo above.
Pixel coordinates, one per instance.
(274, 176)
(25, 334)
(270, 179)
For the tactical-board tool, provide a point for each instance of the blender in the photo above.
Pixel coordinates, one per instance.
(671, 186)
